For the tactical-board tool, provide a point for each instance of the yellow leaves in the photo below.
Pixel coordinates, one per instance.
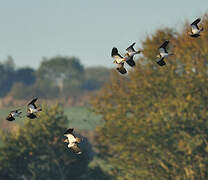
(206, 149)
(189, 172)
(159, 110)
(163, 166)
(183, 146)
(188, 98)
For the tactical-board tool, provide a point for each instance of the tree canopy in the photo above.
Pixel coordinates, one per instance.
(36, 151)
(156, 118)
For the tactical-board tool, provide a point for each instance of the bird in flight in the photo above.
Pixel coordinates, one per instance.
(32, 109)
(72, 141)
(131, 52)
(163, 53)
(195, 30)
(13, 114)
(119, 60)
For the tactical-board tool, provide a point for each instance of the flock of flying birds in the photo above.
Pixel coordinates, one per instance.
(72, 140)
(32, 110)
(163, 53)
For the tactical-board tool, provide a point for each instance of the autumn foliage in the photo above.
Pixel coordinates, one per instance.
(155, 118)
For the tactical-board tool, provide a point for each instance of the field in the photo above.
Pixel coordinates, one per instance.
(79, 117)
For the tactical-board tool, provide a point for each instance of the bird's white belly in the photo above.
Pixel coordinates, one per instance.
(164, 54)
(195, 31)
(71, 138)
(33, 110)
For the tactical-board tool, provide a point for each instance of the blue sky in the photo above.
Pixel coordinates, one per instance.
(87, 29)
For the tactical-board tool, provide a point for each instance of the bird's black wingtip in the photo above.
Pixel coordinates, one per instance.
(31, 116)
(114, 51)
(68, 131)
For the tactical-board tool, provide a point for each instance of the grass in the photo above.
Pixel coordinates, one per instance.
(82, 118)
(79, 117)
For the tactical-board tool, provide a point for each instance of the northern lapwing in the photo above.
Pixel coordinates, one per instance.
(131, 52)
(119, 60)
(72, 141)
(163, 53)
(13, 114)
(32, 109)
(195, 31)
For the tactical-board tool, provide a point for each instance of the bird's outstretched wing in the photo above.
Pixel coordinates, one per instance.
(161, 62)
(69, 131)
(131, 62)
(33, 102)
(115, 54)
(195, 23)
(163, 47)
(31, 116)
(131, 48)
(121, 68)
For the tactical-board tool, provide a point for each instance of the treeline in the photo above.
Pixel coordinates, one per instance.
(156, 119)
(56, 77)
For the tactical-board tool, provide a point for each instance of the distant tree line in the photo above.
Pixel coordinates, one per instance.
(56, 77)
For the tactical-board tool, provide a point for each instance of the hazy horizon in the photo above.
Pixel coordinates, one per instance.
(88, 30)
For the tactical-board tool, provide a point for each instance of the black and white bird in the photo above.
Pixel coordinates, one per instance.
(163, 53)
(32, 109)
(119, 60)
(13, 114)
(195, 31)
(72, 141)
(131, 52)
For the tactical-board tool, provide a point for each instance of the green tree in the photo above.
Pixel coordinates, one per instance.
(37, 151)
(60, 71)
(25, 75)
(7, 71)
